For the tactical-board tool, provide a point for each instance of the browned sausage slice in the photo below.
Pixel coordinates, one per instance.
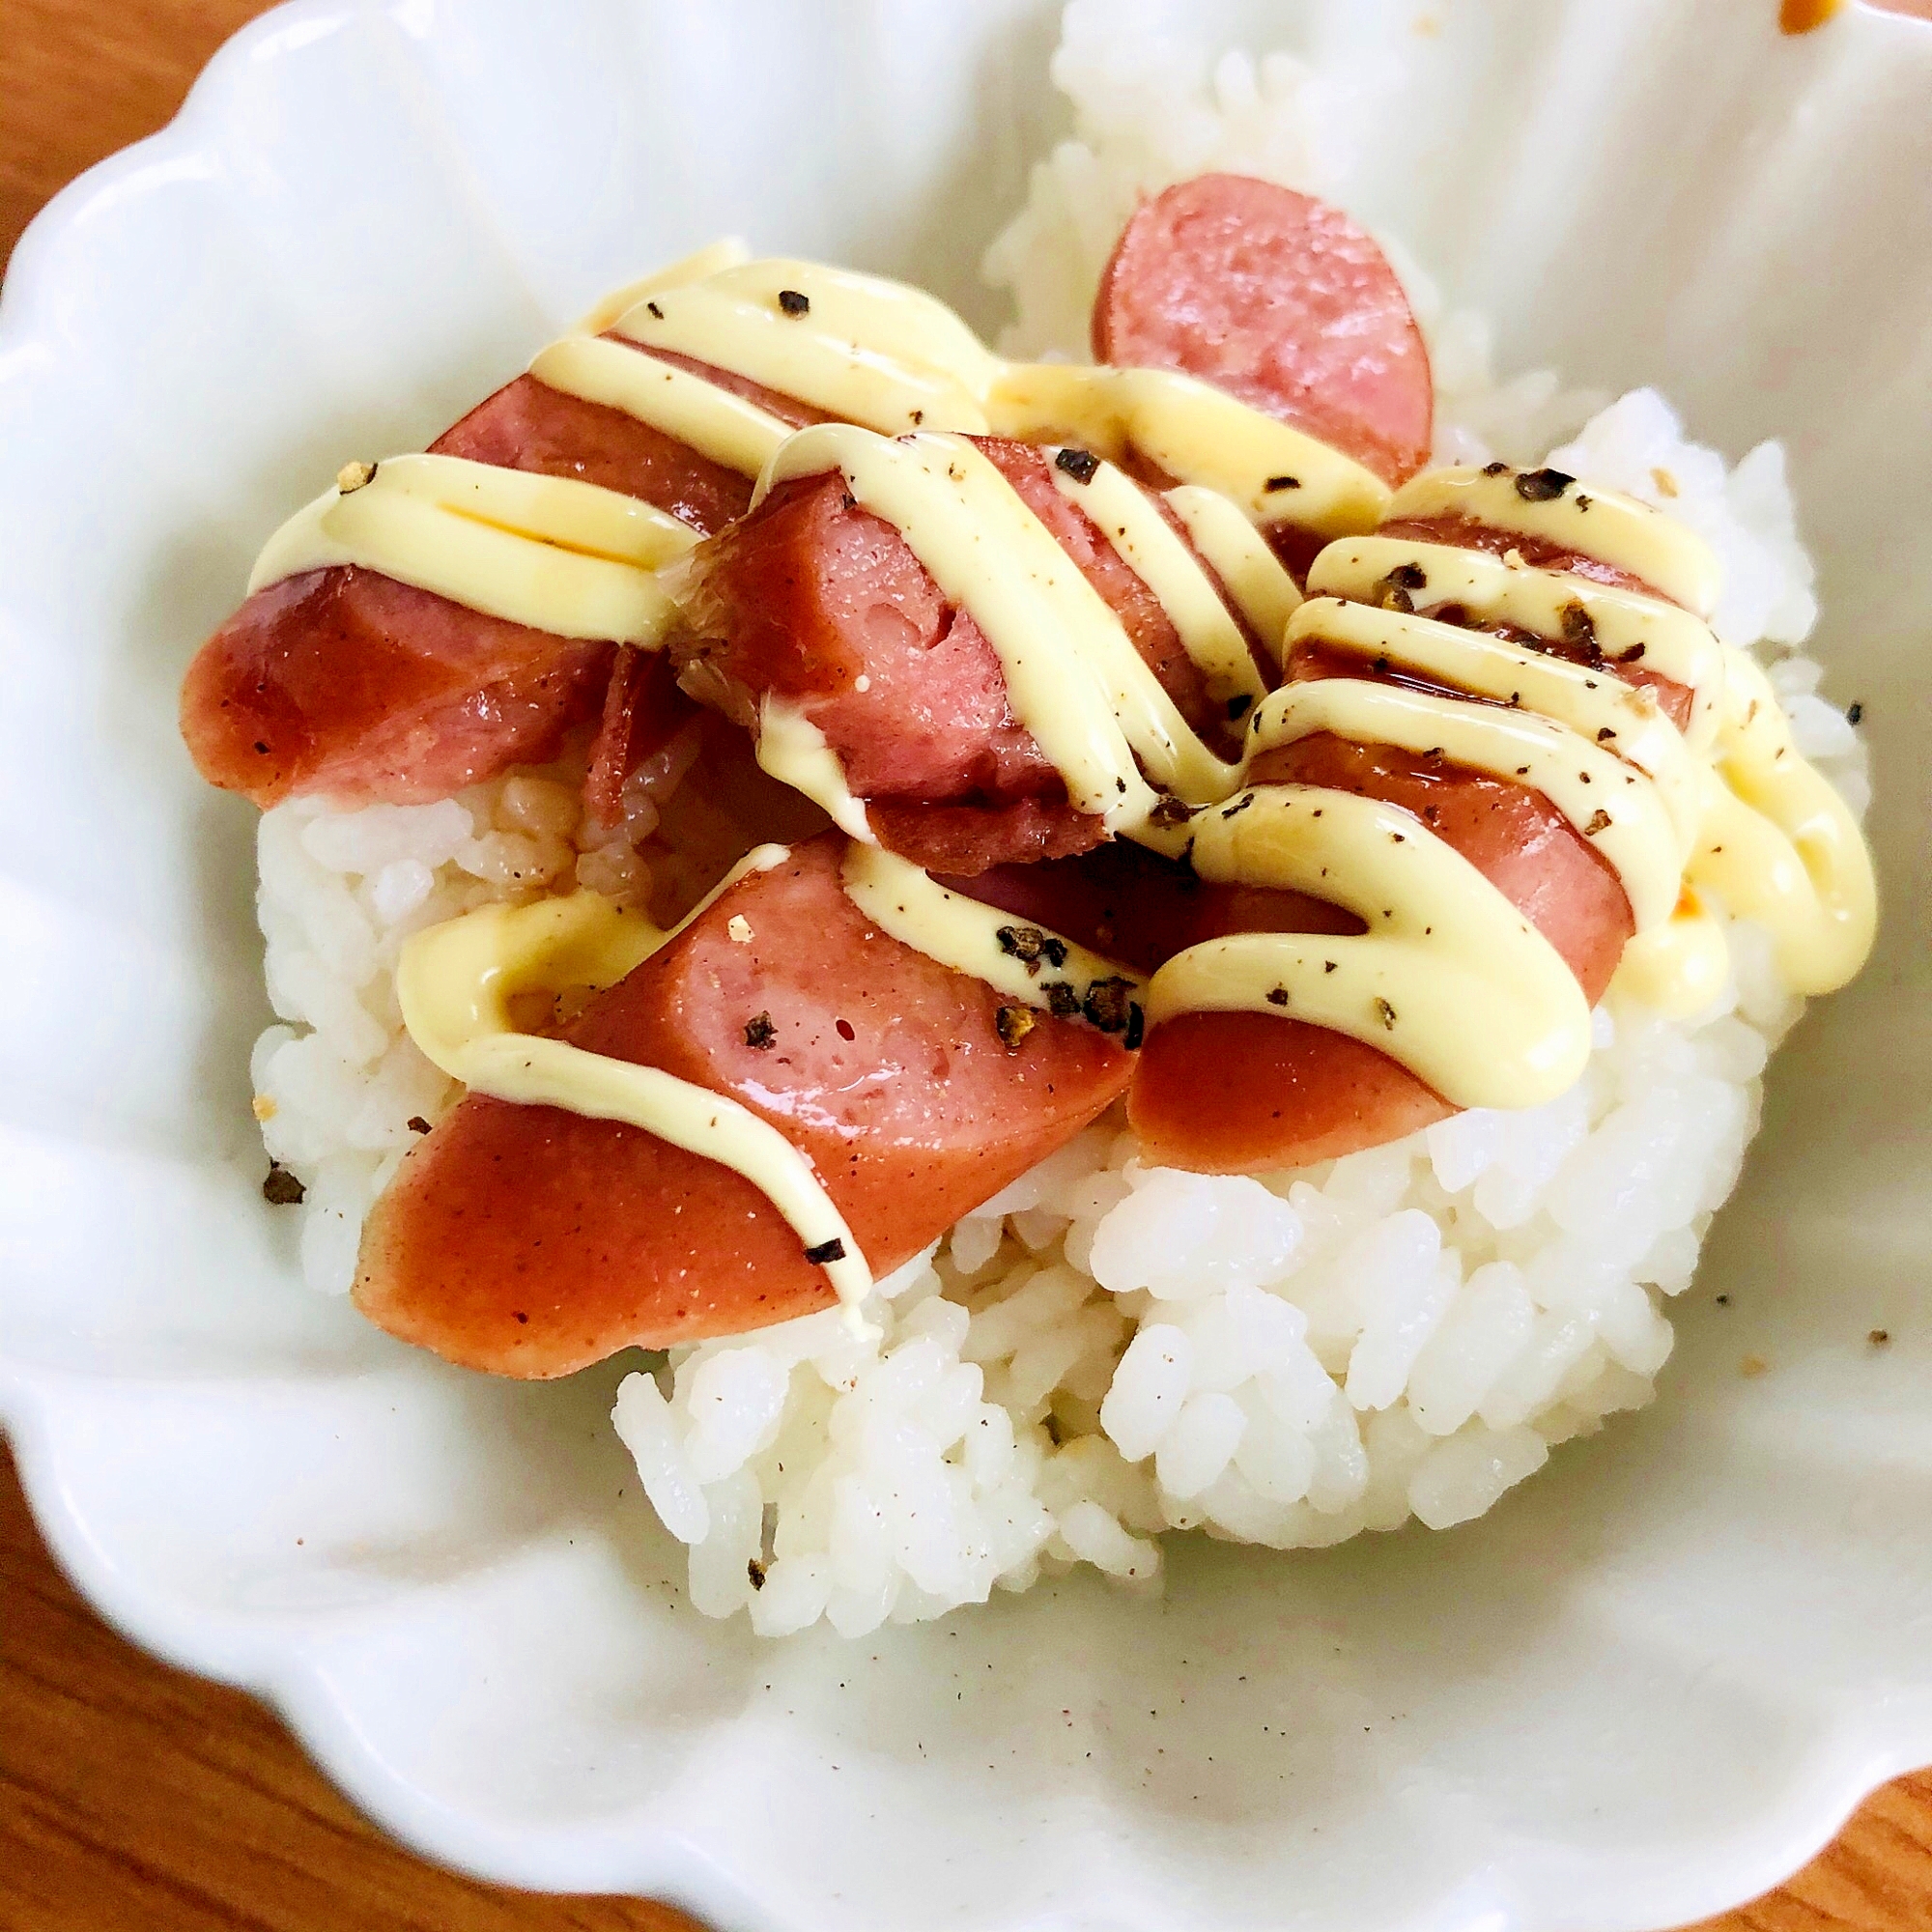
(532, 1241)
(1285, 1094)
(1281, 301)
(354, 685)
(815, 600)
(346, 682)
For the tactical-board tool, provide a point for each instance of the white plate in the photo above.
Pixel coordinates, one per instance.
(1646, 1686)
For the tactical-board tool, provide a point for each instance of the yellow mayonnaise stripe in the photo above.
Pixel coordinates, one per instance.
(1449, 979)
(1145, 541)
(857, 348)
(716, 424)
(867, 350)
(963, 934)
(1664, 637)
(1598, 706)
(1613, 529)
(1677, 968)
(1603, 800)
(1195, 434)
(700, 264)
(455, 981)
(1239, 554)
(548, 552)
(1780, 845)
(791, 749)
(1073, 678)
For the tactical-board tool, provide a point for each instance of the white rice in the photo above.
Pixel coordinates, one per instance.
(1107, 1351)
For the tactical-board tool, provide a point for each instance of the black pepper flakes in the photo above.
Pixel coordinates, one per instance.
(1542, 486)
(1107, 1004)
(1855, 714)
(1168, 811)
(1277, 996)
(655, 310)
(280, 1189)
(1579, 626)
(755, 1571)
(793, 303)
(1606, 731)
(1062, 1000)
(826, 1251)
(1078, 464)
(1880, 1338)
(1385, 1013)
(1275, 483)
(1495, 469)
(1600, 821)
(417, 1124)
(1329, 965)
(1013, 1024)
(761, 1033)
(1028, 945)
(1240, 806)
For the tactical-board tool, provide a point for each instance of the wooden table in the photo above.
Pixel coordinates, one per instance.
(133, 1796)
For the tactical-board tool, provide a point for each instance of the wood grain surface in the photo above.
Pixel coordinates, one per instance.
(134, 1797)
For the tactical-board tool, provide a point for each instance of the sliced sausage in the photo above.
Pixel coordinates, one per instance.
(1231, 1093)
(532, 1241)
(347, 683)
(1539, 554)
(350, 684)
(644, 709)
(816, 600)
(527, 425)
(1281, 301)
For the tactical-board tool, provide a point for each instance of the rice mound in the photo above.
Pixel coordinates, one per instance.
(1108, 1350)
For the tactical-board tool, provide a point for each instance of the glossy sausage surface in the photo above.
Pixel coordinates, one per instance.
(532, 1241)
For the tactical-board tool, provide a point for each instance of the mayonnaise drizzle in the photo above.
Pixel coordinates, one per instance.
(866, 350)
(549, 552)
(1072, 674)
(862, 349)
(1449, 979)
(1252, 574)
(1613, 529)
(1485, 589)
(1145, 541)
(1195, 432)
(727, 428)
(1777, 844)
(791, 749)
(455, 983)
(964, 935)
(1603, 798)
(1591, 705)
